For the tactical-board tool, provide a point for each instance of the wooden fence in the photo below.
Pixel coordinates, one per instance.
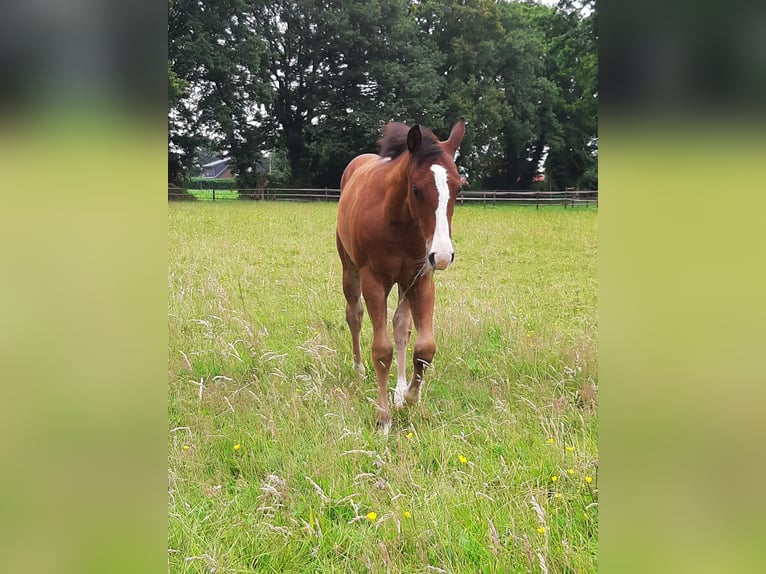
(492, 197)
(567, 198)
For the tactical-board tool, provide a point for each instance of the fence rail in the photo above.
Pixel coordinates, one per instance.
(492, 197)
(567, 198)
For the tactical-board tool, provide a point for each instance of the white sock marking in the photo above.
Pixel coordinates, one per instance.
(401, 387)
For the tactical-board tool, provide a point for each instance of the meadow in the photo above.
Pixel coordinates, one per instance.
(273, 461)
(220, 194)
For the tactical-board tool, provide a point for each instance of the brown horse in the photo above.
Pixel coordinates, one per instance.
(395, 226)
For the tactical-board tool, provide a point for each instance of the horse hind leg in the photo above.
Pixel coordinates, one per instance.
(402, 329)
(354, 316)
(354, 307)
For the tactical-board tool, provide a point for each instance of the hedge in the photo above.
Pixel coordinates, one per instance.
(212, 183)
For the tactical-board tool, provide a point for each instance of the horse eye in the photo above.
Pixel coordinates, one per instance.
(416, 192)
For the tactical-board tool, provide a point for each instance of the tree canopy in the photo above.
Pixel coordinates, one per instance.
(314, 82)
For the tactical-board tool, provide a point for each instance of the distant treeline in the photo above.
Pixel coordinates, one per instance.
(314, 82)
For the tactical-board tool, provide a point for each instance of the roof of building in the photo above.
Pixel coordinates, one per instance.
(217, 162)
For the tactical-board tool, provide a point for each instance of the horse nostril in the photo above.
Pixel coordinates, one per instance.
(452, 257)
(432, 259)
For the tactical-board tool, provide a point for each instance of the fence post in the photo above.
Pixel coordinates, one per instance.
(213, 194)
(537, 200)
(494, 198)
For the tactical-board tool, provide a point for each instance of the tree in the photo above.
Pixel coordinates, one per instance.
(338, 71)
(315, 80)
(468, 34)
(495, 74)
(213, 50)
(532, 126)
(573, 66)
(176, 167)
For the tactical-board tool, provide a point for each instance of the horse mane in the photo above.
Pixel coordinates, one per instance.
(393, 142)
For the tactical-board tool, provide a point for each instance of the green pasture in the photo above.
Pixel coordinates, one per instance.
(273, 461)
(207, 194)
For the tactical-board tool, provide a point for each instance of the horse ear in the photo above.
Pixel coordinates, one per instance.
(456, 136)
(414, 139)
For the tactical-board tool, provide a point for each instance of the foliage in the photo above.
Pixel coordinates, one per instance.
(212, 183)
(494, 60)
(274, 465)
(339, 70)
(573, 66)
(212, 47)
(281, 175)
(316, 82)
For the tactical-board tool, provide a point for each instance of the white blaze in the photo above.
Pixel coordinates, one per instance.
(441, 243)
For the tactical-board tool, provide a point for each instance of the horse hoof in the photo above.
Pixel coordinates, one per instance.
(359, 369)
(399, 392)
(383, 426)
(412, 398)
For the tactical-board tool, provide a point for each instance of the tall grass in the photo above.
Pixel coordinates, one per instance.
(273, 461)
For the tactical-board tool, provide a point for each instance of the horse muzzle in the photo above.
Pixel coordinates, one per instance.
(440, 260)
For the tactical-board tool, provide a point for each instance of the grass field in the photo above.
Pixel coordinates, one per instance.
(273, 462)
(220, 194)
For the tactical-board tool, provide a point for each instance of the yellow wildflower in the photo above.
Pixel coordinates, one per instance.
(557, 495)
(570, 448)
(372, 516)
(407, 514)
(541, 530)
(237, 446)
(570, 471)
(549, 441)
(186, 447)
(555, 477)
(410, 435)
(588, 479)
(462, 459)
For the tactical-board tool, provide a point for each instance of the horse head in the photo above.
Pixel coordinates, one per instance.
(434, 185)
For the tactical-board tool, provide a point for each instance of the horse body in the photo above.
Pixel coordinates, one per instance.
(375, 231)
(394, 227)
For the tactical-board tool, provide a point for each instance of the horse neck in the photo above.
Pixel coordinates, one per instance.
(398, 187)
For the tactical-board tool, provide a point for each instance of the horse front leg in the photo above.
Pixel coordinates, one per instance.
(422, 304)
(375, 296)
